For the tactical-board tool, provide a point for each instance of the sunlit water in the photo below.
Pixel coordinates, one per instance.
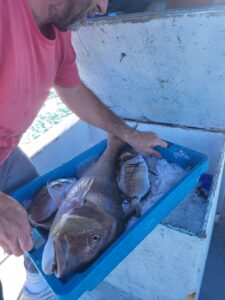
(52, 113)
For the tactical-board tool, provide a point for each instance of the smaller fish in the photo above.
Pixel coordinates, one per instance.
(48, 199)
(58, 189)
(133, 179)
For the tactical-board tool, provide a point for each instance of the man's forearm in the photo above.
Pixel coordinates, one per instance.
(90, 109)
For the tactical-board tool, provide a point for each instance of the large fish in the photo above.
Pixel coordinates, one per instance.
(89, 219)
(133, 179)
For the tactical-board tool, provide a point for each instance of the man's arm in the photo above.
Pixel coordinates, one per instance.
(15, 230)
(90, 109)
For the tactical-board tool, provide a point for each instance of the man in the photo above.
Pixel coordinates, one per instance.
(36, 54)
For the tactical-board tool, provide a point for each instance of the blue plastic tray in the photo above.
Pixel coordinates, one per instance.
(74, 286)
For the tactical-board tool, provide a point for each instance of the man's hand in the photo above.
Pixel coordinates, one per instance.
(15, 230)
(144, 142)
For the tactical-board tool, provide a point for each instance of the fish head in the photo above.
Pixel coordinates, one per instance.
(129, 158)
(78, 238)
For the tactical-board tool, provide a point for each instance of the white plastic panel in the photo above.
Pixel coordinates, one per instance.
(167, 68)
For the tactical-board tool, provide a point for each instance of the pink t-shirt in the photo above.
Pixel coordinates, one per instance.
(30, 64)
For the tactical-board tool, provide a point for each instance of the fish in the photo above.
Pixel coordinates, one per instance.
(89, 219)
(133, 179)
(47, 201)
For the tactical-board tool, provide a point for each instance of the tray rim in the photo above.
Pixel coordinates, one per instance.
(128, 241)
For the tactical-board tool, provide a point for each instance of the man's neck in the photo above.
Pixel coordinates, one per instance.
(40, 14)
(39, 9)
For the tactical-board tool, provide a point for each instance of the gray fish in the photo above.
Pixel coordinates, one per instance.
(48, 199)
(89, 219)
(133, 179)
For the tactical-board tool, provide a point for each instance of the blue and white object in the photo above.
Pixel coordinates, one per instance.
(72, 287)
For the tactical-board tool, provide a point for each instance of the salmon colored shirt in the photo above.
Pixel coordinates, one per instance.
(30, 64)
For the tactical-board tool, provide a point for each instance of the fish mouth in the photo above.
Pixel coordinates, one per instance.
(48, 258)
(60, 266)
(77, 239)
(67, 262)
(55, 258)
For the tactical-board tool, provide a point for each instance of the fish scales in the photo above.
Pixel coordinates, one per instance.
(105, 191)
(133, 178)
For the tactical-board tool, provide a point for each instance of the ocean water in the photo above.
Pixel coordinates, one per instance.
(52, 112)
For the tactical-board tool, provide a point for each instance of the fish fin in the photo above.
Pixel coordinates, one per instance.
(135, 126)
(152, 164)
(136, 207)
(114, 142)
(80, 189)
(51, 191)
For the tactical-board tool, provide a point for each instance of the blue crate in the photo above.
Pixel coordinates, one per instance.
(74, 286)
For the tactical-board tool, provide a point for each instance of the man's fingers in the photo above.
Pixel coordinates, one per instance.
(15, 248)
(15, 230)
(25, 242)
(154, 153)
(17, 245)
(6, 248)
(8, 251)
(162, 144)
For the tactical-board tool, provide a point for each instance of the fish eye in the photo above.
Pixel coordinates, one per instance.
(95, 237)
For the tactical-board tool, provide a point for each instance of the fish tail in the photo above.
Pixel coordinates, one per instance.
(134, 210)
(115, 142)
(135, 205)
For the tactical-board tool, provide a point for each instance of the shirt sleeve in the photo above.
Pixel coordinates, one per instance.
(67, 73)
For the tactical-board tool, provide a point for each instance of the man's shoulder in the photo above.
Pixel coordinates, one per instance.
(63, 40)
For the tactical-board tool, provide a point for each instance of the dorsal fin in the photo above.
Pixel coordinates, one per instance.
(80, 189)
